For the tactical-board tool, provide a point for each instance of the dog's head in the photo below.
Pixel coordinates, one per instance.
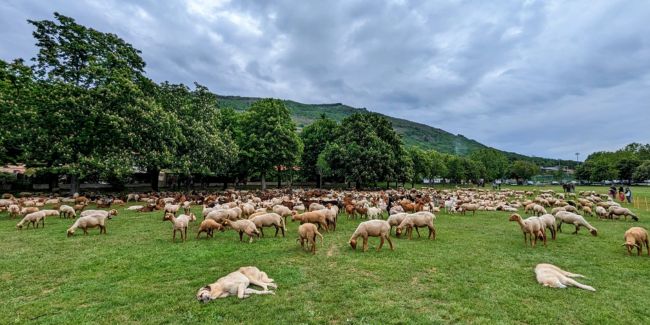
(204, 295)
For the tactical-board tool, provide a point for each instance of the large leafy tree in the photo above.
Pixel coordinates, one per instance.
(642, 172)
(422, 164)
(523, 170)
(270, 139)
(495, 162)
(315, 138)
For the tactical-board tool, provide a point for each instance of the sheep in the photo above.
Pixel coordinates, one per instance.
(208, 226)
(416, 220)
(548, 221)
(14, 210)
(282, 211)
(187, 207)
(531, 227)
(601, 212)
(316, 206)
(67, 211)
(539, 210)
(468, 207)
(79, 207)
(552, 276)
(89, 221)
(618, 211)
(636, 237)
(28, 210)
(316, 217)
(587, 211)
(32, 218)
(51, 213)
(135, 208)
(111, 212)
(268, 220)
(179, 223)
(374, 228)
(243, 226)
(374, 212)
(307, 232)
(395, 220)
(575, 219)
(237, 283)
(396, 209)
(171, 208)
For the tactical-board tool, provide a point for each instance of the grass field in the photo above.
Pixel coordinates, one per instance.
(476, 271)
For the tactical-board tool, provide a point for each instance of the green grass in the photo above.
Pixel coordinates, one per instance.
(476, 271)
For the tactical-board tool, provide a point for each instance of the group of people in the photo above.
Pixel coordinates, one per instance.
(623, 194)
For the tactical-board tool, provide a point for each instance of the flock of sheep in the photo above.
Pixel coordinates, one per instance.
(249, 213)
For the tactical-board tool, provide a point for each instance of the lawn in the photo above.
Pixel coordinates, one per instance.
(476, 271)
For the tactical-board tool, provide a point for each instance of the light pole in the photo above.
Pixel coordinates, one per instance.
(577, 155)
(577, 162)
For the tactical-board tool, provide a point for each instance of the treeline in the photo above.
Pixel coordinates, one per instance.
(86, 109)
(629, 164)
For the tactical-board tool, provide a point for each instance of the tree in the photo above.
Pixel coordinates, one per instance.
(523, 170)
(422, 164)
(626, 167)
(495, 162)
(456, 169)
(642, 172)
(315, 138)
(271, 139)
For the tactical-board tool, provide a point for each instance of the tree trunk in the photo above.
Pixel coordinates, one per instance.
(153, 179)
(74, 184)
(263, 181)
(279, 179)
(319, 181)
(225, 184)
(53, 181)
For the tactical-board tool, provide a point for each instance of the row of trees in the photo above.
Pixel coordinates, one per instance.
(86, 109)
(631, 163)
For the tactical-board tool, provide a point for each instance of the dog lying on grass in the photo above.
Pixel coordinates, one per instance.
(236, 283)
(552, 276)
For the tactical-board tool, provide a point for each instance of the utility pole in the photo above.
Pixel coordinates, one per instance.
(577, 162)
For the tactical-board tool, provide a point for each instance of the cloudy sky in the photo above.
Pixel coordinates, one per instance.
(545, 78)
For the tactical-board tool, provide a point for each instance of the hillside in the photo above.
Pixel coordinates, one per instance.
(413, 134)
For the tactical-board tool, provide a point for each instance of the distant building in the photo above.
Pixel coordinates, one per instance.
(13, 169)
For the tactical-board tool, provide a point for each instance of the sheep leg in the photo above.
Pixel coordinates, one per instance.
(174, 237)
(241, 233)
(43, 223)
(416, 230)
(184, 233)
(390, 242)
(365, 243)
(432, 232)
(276, 231)
(199, 233)
(559, 226)
(381, 242)
(577, 228)
(85, 231)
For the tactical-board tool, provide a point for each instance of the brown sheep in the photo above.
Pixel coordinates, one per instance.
(307, 232)
(315, 217)
(372, 228)
(531, 227)
(243, 226)
(417, 220)
(209, 226)
(268, 220)
(636, 237)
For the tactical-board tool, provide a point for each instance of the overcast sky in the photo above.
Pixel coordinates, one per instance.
(543, 78)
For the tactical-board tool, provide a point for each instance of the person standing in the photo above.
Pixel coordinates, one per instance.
(612, 192)
(621, 195)
(628, 194)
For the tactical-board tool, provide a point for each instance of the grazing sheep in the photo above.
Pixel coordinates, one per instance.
(636, 237)
(268, 220)
(89, 221)
(51, 213)
(28, 210)
(601, 212)
(14, 210)
(79, 207)
(618, 211)
(395, 220)
(172, 208)
(243, 226)
(468, 207)
(307, 232)
(373, 228)
(374, 212)
(548, 221)
(587, 211)
(531, 227)
(539, 210)
(32, 218)
(396, 209)
(236, 283)
(111, 212)
(208, 226)
(575, 219)
(315, 217)
(135, 208)
(552, 276)
(315, 207)
(67, 211)
(416, 220)
(282, 211)
(179, 223)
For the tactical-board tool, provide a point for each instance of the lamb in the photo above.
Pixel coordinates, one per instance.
(396, 220)
(32, 218)
(575, 219)
(307, 232)
(636, 237)
(268, 220)
(111, 212)
(237, 283)
(548, 221)
(243, 226)
(618, 211)
(208, 226)
(531, 227)
(14, 210)
(601, 212)
(67, 211)
(179, 224)
(552, 276)
(187, 207)
(416, 220)
(316, 217)
(374, 228)
(374, 212)
(89, 221)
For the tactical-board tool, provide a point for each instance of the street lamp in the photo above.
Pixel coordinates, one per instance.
(577, 155)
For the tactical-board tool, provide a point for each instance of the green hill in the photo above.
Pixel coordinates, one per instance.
(413, 134)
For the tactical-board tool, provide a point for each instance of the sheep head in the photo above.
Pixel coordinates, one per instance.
(70, 232)
(594, 232)
(353, 243)
(514, 217)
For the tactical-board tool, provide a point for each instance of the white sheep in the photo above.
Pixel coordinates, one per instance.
(32, 218)
(574, 219)
(67, 211)
(531, 227)
(180, 224)
(373, 228)
(89, 221)
(111, 212)
(618, 211)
